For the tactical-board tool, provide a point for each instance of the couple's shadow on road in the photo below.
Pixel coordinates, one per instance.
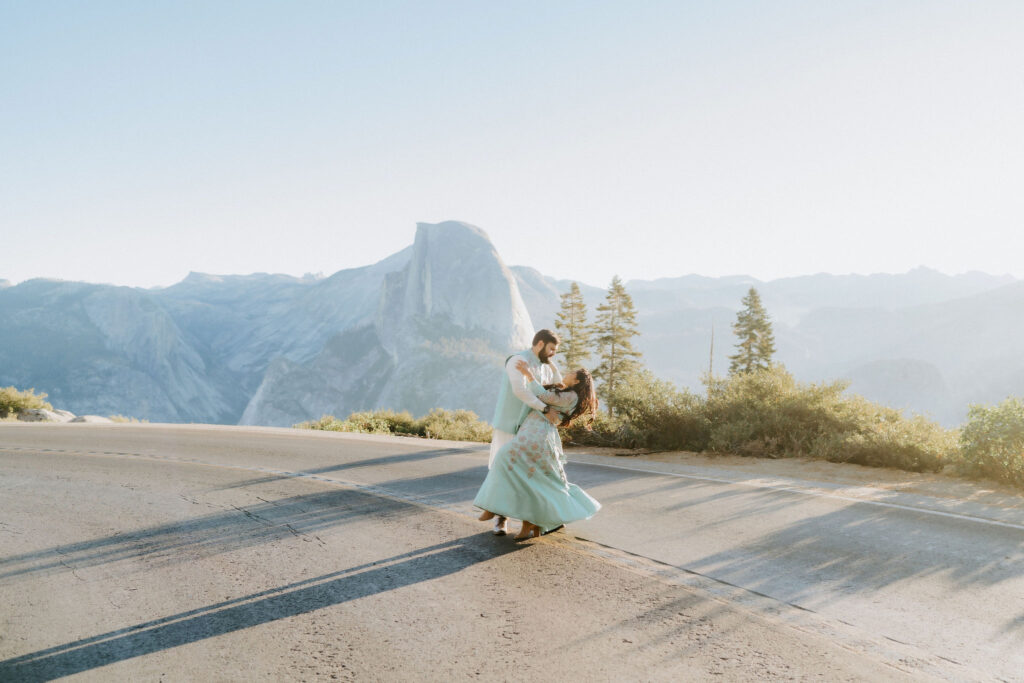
(301, 597)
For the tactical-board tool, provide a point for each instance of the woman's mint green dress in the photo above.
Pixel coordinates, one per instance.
(527, 480)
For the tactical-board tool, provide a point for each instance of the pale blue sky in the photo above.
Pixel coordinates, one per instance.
(141, 140)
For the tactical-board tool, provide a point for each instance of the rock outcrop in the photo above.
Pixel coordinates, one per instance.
(44, 415)
(442, 326)
(107, 349)
(197, 351)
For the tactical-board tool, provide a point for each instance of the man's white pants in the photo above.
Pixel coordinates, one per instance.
(498, 439)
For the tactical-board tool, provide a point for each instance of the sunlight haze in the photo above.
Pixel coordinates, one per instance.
(141, 141)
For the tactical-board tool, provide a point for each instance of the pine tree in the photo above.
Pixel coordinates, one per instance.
(615, 327)
(756, 343)
(571, 325)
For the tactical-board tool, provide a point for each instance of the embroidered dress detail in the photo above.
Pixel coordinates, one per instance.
(528, 481)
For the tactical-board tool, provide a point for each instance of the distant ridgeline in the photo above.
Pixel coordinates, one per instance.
(429, 326)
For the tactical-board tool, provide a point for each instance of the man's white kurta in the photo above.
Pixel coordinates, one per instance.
(546, 373)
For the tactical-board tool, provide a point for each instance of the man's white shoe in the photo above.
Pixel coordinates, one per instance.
(500, 525)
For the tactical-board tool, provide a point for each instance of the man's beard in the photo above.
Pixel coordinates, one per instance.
(544, 355)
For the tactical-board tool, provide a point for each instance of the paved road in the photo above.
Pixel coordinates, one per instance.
(143, 551)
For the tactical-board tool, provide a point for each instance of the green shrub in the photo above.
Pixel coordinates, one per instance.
(359, 423)
(126, 419)
(603, 431)
(770, 414)
(454, 425)
(327, 423)
(14, 401)
(654, 414)
(367, 423)
(992, 442)
(400, 423)
(915, 444)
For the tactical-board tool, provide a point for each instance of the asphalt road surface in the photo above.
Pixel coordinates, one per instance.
(155, 552)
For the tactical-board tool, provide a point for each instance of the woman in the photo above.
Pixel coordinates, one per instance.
(527, 480)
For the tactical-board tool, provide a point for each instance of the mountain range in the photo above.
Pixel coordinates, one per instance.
(430, 325)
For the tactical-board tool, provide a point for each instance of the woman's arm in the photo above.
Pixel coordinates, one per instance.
(524, 386)
(563, 400)
(552, 416)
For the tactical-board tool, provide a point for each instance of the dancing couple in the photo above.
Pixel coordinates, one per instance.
(526, 477)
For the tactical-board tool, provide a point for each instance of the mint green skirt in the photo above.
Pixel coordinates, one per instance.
(527, 480)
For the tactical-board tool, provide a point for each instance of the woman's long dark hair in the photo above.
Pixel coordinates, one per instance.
(586, 397)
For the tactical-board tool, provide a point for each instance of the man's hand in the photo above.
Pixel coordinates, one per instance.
(553, 417)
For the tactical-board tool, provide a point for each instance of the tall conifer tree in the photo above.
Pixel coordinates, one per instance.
(571, 325)
(614, 328)
(755, 341)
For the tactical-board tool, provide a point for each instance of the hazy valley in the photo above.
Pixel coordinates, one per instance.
(428, 327)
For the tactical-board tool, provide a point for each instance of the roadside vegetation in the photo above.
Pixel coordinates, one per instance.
(991, 443)
(13, 401)
(770, 414)
(759, 409)
(126, 419)
(766, 414)
(449, 425)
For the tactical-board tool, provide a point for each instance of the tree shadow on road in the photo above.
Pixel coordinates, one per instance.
(340, 467)
(301, 597)
(861, 545)
(868, 547)
(863, 549)
(231, 528)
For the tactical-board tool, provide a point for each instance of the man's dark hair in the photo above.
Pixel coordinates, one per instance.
(546, 336)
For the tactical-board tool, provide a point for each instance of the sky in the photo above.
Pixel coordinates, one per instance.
(143, 140)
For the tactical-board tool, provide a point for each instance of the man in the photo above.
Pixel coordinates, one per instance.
(517, 397)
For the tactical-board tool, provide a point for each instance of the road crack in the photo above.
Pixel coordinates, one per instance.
(71, 568)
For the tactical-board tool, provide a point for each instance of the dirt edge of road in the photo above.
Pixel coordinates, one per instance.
(935, 485)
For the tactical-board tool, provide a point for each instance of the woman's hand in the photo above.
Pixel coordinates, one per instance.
(524, 367)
